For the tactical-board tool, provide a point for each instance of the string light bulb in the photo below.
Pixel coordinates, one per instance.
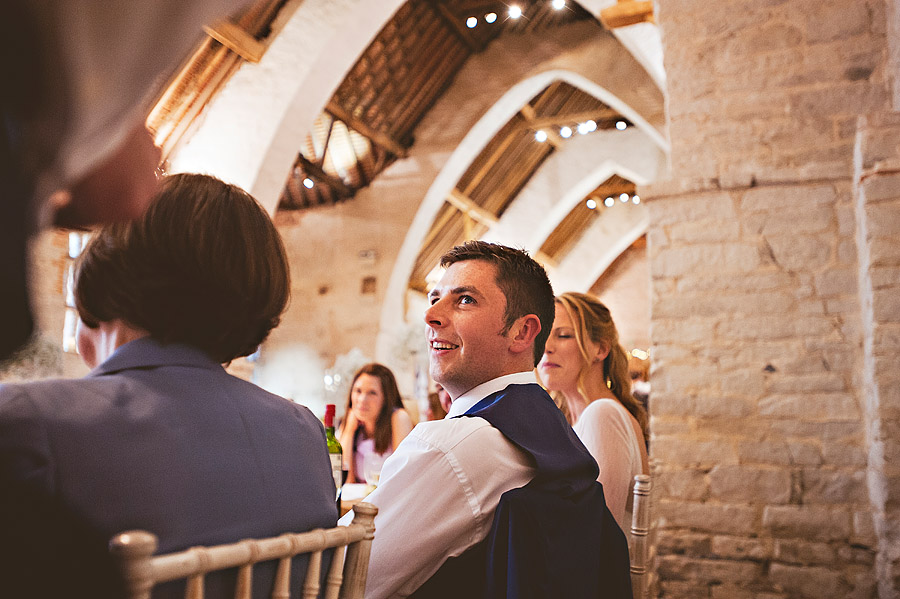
(565, 132)
(559, 4)
(540, 135)
(490, 17)
(308, 183)
(515, 12)
(621, 125)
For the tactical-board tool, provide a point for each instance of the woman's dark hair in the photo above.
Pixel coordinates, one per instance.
(522, 280)
(204, 266)
(383, 429)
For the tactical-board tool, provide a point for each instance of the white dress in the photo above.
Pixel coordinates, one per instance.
(606, 430)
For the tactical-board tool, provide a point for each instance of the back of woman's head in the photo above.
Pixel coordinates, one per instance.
(203, 266)
(593, 322)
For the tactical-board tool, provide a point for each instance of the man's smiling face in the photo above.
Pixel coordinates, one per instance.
(466, 319)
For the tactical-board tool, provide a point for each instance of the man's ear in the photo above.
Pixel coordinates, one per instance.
(523, 333)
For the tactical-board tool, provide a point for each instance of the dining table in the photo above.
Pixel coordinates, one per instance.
(353, 493)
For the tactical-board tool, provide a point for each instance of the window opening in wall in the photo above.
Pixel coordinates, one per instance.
(77, 241)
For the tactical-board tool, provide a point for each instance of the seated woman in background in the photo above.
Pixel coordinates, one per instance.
(374, 423)
(158, 436)
(584, 363)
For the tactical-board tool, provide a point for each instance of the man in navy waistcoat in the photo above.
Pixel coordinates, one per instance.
(500, 498)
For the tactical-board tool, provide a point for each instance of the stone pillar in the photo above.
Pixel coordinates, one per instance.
(878, 237)
(760, 410)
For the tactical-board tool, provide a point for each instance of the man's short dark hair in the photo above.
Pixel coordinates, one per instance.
(203, 266)
(522, 280)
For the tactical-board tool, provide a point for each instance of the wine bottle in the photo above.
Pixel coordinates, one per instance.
(335, 453)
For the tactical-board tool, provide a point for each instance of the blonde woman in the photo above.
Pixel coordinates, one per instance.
(587, 369)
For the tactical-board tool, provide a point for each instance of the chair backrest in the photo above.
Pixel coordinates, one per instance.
(346, 578)
(640, 529)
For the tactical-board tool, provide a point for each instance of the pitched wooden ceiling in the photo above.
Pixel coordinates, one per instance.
(504, 166)
(370, 120)
(583, 215)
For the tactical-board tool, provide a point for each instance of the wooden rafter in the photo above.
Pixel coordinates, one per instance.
(488, 163)
(601, 114)
(237, 40)
(552, 136)
(316, 173)
(464, 204)
(442, 221)
(627, 12)
(383, 140)
(453, 22)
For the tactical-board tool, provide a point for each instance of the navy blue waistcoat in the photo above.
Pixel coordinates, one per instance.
(553, 537)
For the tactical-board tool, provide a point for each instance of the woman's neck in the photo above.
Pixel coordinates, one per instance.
(576, 403)
(594, 386)
(368, 430)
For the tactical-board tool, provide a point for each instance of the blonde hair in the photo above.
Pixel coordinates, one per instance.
(592, 321)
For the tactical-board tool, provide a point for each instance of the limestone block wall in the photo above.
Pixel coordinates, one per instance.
(767, 361)
(756, 413)
(878, 232)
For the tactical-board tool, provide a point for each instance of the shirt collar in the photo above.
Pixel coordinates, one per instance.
(471, 397)
(146, 352)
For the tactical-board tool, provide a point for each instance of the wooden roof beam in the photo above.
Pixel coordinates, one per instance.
(486, 218)
(237, 40)
(382, 139)
(627, 12)
(552, 136)
(436, 228)
(452, 21)
(465, 205)
(603, 114)
(489, 162)
(317, 173)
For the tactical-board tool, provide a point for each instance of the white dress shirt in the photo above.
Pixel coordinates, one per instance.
(438, 493)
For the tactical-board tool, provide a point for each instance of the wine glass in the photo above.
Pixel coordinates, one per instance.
(372, 472)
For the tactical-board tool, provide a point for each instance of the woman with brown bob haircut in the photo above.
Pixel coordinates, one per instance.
(158, 436)
(204, 266)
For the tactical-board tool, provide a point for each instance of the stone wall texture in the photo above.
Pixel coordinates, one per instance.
(775, 262)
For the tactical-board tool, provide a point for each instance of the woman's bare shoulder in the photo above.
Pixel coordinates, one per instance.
(400, 415)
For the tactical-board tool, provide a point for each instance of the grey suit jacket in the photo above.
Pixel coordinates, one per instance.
(160, 438)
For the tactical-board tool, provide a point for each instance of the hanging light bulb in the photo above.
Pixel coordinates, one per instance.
(308, 183)
(559, 4)
(471, 22)
(540, 135)
(623, 197)
(515, 12)
(565, 132)
(608, 202)
(591, 203)
(636, 199)
(621, 125)
(490, 17)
